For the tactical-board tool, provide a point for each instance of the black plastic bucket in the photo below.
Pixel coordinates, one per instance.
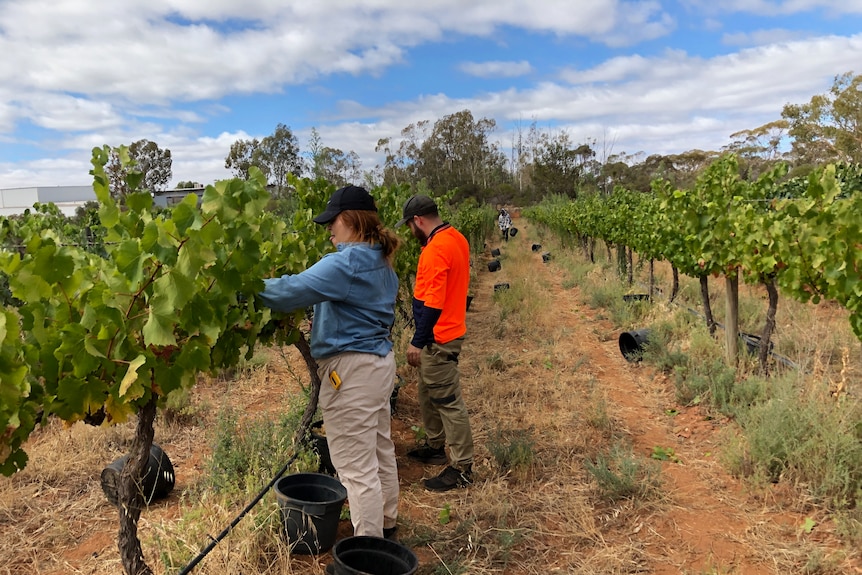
(494, 266)
(632, 344)
(513, 232)
(753, 343)
(635, 297)
(310, 507)
(364, 555)
(495, 252)
(536, 247)
(319, 445)
(157, 482)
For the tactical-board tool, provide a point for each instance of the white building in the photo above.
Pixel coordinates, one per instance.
(67, 198)
(168, 198)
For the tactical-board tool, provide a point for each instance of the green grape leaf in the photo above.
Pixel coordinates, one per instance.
(130, 260)
(159, 327)
(77, 396)
(139, 202)
(73, 348)
(184, 215)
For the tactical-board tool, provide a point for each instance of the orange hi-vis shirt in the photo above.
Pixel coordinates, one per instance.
(442, 280)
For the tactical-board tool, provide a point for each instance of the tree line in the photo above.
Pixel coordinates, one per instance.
(458, 153)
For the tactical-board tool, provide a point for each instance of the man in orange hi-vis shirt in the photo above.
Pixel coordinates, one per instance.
(440, 313)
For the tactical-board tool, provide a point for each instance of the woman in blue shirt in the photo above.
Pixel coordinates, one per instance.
(353, 292)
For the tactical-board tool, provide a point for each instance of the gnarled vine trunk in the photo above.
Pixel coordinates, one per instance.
(674, 288)
(630, 268)
(707, 307)
(311, 363)
(130, 497)
(769, 326)
(731, 329)
(651, 278)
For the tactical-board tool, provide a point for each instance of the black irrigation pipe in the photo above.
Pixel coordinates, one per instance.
(748, 339)
(211, 545)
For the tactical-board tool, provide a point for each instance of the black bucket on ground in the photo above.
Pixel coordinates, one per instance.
(632, 344)
(157, 482)
(469, 301)
(635, 297)
(364, 555)
(513, 232)
(310, 506)
(319, 445)
(494, 266)
(501, 286)
(753, 342)
(495, 252)
(536, 247)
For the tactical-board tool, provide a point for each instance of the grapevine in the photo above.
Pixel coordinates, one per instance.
(803, 235)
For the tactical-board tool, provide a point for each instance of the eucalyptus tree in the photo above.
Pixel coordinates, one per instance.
(145, 158)
(276, 155)
(241, 157)
(559, 166)
(829, 127)
(459, 152)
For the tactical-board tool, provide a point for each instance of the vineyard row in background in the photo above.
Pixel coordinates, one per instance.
(802, 235)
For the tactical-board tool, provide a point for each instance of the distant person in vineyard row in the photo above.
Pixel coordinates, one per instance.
(440, 314)
(504, 221)
(353, 291)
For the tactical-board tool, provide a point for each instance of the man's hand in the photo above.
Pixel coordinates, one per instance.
(413, 355)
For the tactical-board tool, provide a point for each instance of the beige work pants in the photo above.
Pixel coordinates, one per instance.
(358, 432)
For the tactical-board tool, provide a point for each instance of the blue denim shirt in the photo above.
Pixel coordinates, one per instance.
(353, 291)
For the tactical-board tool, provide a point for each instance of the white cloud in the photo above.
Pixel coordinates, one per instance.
(496, 69)
(761, 37)
(62, 112)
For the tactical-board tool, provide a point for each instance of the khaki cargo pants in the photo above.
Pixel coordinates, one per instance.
(444, 413)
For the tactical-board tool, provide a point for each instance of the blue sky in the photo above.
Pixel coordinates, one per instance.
(196, 75)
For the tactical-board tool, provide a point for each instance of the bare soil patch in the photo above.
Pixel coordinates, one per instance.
(543, 375)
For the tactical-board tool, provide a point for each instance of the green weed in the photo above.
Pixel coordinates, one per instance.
(248, 452)
(512, 449)
(664, 454)
(445, 515)
(622, 475)
(496, 363)
(418, 433)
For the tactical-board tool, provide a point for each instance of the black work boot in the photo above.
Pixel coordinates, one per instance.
(430, 455)
(450, 478)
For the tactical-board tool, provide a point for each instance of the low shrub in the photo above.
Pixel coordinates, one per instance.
(620, 474)
(512, 449)
(248, 452)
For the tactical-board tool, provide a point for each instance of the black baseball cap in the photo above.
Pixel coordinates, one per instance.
(417, 206)
(346, 198)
